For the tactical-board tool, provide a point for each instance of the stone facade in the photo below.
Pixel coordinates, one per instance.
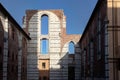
(113, 12)
(11, 35)
(1, 49)
(109, 46)
(93, 44)
(58, 41)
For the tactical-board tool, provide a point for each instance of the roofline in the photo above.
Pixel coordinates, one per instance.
(91, 17)
(6, 13)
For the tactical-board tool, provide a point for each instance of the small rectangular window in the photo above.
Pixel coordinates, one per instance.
(43, 65)
(12, 57)
(119, 64)
(13, 33)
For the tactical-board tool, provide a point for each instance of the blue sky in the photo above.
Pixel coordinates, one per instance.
(76, 11)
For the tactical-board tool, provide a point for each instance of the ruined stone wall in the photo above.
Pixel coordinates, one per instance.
(58, 44)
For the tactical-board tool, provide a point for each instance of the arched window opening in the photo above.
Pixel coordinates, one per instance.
(71, 48)
(44, 46)
(44, 25)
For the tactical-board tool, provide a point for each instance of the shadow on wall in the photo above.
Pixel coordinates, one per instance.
(8, 51)
(1, 49)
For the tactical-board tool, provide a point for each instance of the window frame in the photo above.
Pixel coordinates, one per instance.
(44, 27)
(71, 44)
(46, 46)
(43, 65)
